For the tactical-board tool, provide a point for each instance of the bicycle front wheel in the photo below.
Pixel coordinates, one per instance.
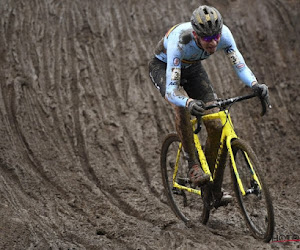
(186, 205)
(255, 201)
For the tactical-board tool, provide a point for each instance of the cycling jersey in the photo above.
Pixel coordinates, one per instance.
(179, 50)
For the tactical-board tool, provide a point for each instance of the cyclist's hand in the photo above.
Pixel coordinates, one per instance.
(261, 90)
(196, 107)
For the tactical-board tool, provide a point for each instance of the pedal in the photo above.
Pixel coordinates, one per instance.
(225, 199)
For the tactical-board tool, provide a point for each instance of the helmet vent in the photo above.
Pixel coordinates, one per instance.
(209, 24)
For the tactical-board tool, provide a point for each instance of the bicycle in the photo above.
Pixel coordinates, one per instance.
(250, 189)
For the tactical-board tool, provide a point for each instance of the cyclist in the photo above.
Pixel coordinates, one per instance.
(177, 72)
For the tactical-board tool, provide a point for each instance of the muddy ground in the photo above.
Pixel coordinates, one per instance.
(81, 124)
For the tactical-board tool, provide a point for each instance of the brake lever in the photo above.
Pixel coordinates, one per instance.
(265, 103)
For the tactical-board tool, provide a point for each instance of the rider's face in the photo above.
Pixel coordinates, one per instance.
(209, 45)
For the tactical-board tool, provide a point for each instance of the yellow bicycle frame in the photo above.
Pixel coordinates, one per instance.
(227, 136)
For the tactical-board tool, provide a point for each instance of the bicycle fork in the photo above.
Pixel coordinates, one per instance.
(255, 184)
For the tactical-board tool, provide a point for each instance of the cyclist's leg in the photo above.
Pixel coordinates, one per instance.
(157, 70)
(200, 87)
(214, 130)
(185, 132)
(157, 73)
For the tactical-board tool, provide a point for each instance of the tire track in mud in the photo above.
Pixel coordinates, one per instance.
(79, 142)
(79, 146)
(15, 94)
(120, 90)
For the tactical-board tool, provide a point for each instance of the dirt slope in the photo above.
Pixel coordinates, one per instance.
(81, 124)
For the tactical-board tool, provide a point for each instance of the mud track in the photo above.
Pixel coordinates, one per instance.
(81, 124)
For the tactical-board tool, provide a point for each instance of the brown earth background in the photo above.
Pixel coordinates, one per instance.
(81, 123)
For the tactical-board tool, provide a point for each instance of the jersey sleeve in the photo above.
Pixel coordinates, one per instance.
(236, 58)
(173, 75)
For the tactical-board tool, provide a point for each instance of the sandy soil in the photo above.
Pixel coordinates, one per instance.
(81, 124)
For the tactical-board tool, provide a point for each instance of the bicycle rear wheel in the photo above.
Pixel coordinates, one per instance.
(186, 205)
(256, 204)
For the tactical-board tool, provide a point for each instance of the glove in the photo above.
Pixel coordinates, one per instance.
(196, 107)
(261, 90)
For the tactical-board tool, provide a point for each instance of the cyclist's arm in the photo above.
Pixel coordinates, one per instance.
(173, 75)
(236, 58)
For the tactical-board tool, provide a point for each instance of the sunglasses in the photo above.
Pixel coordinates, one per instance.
(208, 39)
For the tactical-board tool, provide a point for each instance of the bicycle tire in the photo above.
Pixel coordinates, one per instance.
(187, 206)
(256, 207)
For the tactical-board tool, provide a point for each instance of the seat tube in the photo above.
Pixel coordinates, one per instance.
(177, 162)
